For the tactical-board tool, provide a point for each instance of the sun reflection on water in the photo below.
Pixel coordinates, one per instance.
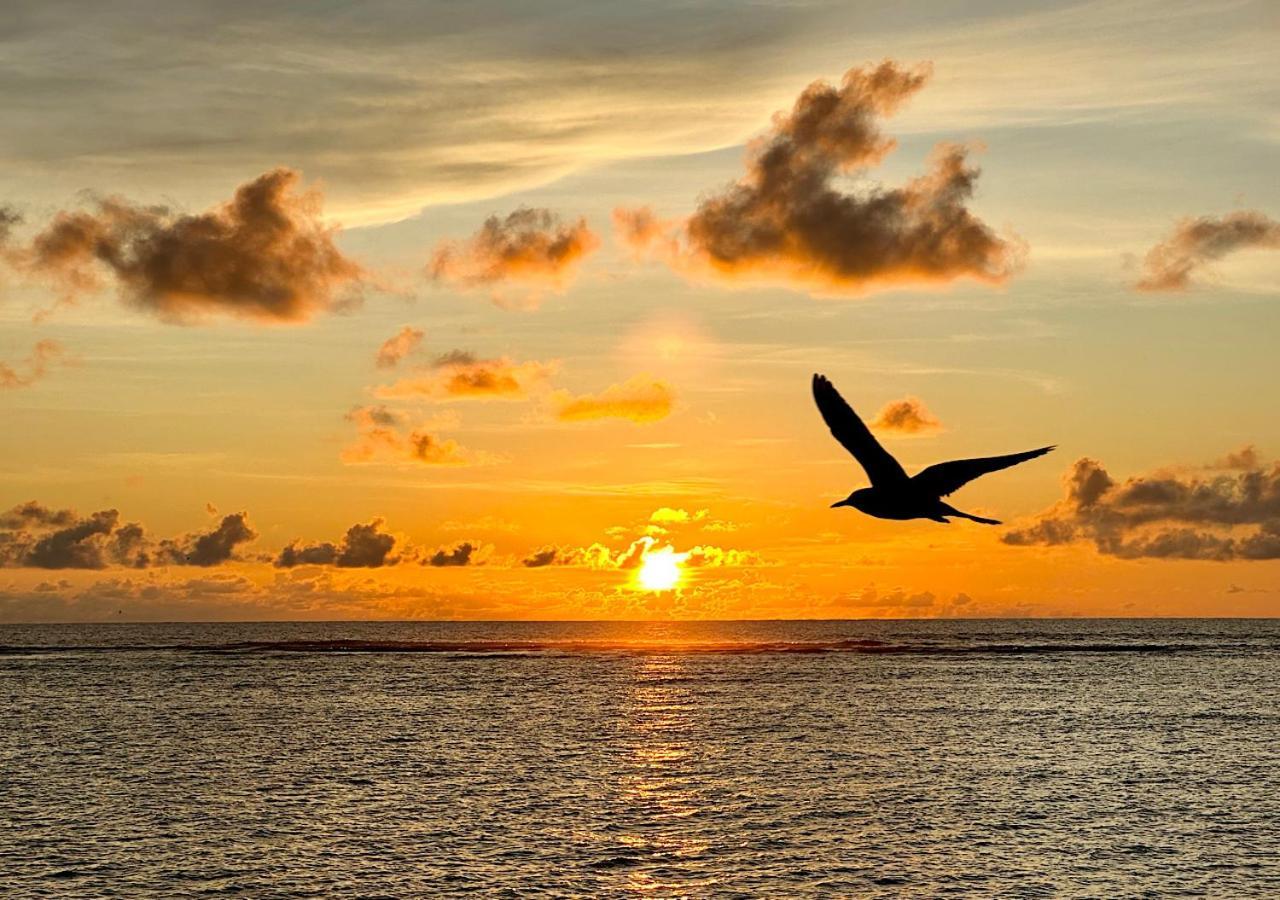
(662, 788)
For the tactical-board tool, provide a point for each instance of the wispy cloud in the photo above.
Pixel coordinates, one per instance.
(639, 399)
(398, 346)
(1195, 243)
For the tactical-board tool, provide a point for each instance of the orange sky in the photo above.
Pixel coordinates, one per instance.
(478, 340)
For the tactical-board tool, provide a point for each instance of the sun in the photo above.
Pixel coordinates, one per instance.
(660, 570)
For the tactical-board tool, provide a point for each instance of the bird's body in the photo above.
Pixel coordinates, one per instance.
(894, 495)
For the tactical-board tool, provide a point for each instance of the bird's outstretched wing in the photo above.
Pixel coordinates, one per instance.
(944, 478)
(855, 436)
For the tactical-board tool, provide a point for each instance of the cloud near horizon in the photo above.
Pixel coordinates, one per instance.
(467, 553)
(599, 556)
(1234, 515)
(789, 220)
(35, 536)
(1196, 242)
(265, 255)
(906, 416)
(362, 547)
(531, 247)
(639, 399)
(43, 355)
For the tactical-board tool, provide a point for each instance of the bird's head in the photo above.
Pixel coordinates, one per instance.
(857, 500)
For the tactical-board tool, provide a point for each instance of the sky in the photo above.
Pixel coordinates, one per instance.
(422, 310)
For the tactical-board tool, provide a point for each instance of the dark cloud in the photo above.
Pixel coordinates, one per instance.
(362, 547)
(789, 218)
(530, 246)
(210, 548)
(539, 558)
(26, 373)
(1194, 243)
(34, 536)
(460, 555)
(9, 217)
(907, 416)
(398, 346)
(34, 513)
(265, 255)
(1166, 515)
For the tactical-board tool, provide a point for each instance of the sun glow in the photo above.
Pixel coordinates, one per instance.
(660, 570)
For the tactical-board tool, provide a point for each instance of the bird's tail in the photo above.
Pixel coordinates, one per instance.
(952, 511)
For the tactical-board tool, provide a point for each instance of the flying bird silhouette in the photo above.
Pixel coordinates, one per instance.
(892, 494)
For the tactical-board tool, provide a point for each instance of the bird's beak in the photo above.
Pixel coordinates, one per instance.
(844, 502)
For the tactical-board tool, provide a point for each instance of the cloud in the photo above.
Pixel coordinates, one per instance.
(531, 247)
(598, 556)
(666, 515)
(1234, 514)
(210, 548)
(34, 536)
(459, 375)
(1171, 264)
(9, 218)
(384, 436)
(362, 547)
(398, 346)
(265, 255)
(1247, 457)
(464, 554)
(44, 354)
(539, 558)
(906, 416)
(789, 218)
(640, 399)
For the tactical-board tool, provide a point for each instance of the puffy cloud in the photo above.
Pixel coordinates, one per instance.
(539, 558)
(34, 536)
(44, 354)
(398, 346)
(384, 436)
(459, 375)
(1171, 264)
(640, 399)
(1234, 514)
(210, 548)
(666, 515)
(35, 513)
(532, 247)
(907, 416)
(464, 554)
(790, 219)
(362, 547)
(598, 556)
(265, 255)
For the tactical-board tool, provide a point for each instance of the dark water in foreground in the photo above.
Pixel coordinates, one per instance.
(1081, 758)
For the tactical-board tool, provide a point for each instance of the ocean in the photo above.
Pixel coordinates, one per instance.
(1080, 758)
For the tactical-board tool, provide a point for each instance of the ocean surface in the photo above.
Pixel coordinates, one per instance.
(1114, 758)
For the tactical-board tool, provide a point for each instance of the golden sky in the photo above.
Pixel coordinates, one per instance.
(508, 311)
